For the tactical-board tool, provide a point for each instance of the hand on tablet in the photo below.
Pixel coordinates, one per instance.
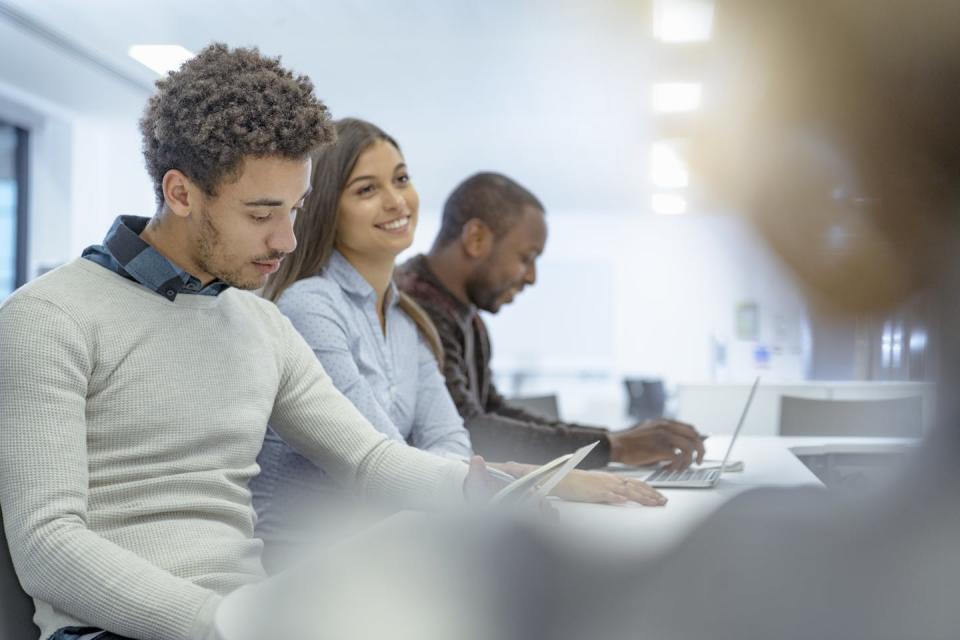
(480, 485)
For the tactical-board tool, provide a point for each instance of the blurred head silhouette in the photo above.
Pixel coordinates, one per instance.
(834, 129)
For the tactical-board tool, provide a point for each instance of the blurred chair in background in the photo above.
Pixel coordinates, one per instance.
(646, 398)
(888, 418)
(545, 406)
(16, 607)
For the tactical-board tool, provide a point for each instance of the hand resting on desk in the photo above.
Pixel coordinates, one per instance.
(595, 486)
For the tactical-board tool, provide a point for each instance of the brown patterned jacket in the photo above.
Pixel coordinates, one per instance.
(499, 432)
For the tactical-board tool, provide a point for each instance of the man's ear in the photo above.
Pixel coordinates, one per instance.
(476, 238)
(179, 193)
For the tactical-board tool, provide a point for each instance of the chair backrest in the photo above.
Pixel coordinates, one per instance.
(892, 418)
(646, 398)
(544, 406)
(16, 607)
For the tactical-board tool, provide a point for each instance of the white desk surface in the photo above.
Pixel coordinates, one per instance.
(770, 461)
(649, 531)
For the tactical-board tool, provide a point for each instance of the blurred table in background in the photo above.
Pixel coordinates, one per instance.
(770, 461)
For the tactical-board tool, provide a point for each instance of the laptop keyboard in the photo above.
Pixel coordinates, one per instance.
(687, 475)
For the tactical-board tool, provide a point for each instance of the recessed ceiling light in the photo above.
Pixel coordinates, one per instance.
(668, 204)
(682, 20)
(667, 168)
(674, 97)
(161, 58)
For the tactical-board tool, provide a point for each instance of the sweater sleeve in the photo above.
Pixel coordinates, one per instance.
(503, 425)
(320, 423)
(46, 363)
(500, 433)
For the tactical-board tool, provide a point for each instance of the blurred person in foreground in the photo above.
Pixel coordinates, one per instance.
(835, 130)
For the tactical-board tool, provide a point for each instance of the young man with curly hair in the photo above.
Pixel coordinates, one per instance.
(138, 379)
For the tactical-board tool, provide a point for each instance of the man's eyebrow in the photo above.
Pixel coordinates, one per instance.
(264, 202)
(272, 202)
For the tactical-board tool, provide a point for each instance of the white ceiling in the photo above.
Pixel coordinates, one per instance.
(555, 93)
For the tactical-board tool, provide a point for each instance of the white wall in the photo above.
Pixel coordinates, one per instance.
(109, 178)
(621, 292)
(646, 296)
(85, 164)
(632, 294)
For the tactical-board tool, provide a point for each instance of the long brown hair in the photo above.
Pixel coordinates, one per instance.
(316, 225)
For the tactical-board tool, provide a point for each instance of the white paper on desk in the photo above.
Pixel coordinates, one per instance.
(541, 481)
(733, 466)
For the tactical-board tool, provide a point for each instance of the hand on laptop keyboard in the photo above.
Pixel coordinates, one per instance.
(658, 440)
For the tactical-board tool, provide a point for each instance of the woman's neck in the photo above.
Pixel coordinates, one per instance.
(378, 272)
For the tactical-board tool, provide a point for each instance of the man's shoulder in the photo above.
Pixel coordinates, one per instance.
(69, 285)
(71, 295)
(413, 278)
(249, 299)
(409, 274)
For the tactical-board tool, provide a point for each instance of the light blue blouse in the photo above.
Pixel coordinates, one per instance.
(393, 379)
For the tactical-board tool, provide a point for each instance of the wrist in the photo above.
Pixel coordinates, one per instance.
(616, 447)
(505, 468)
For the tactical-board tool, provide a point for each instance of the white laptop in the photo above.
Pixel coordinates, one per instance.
(705, 477)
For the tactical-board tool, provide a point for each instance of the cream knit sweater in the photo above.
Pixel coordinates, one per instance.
(129, 427)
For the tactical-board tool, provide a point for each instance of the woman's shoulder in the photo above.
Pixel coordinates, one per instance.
(316, 294)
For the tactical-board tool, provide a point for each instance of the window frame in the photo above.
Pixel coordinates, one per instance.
(22, 170)
(21, 176)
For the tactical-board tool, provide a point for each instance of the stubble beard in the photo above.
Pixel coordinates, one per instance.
(210, 251)
(481, 291)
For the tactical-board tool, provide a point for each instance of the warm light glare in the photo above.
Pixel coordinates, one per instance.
(673, 97)
(682, 20)
(161, 58)
(667, 168)
(668, 204)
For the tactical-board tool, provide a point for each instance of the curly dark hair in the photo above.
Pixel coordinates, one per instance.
(224, 105)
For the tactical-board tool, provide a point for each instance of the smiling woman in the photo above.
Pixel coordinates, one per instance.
(378, 212)
(339, 176)
(338, 292)
(377, 345)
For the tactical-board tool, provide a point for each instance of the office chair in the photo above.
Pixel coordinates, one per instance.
(891, 418)
(544, 406)
(646, 398)
(16, 607)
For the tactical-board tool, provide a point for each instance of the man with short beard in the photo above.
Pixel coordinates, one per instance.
(492, 233)
(138, 380)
